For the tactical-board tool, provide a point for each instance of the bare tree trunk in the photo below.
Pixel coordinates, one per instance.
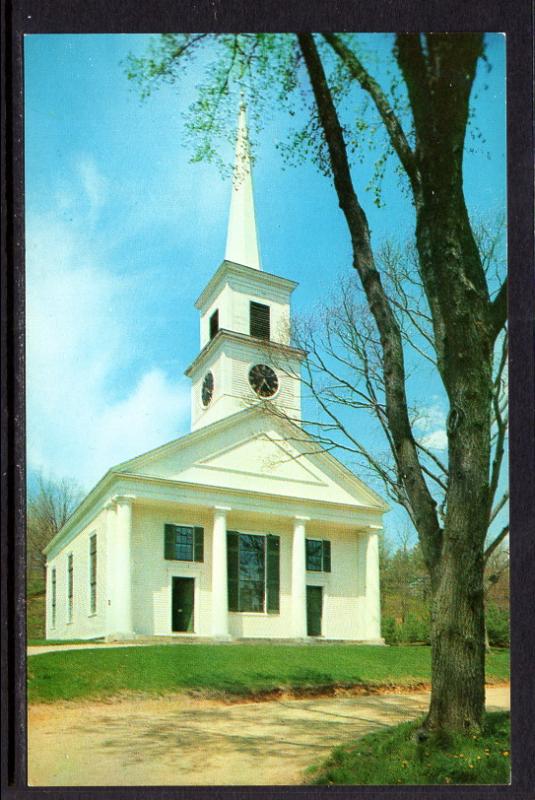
(457, 638)
(439, 85)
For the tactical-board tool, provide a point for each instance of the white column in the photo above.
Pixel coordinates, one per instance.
(122, 569)
(373, 595)
(219, 574)
(299, 610)
(109, 524)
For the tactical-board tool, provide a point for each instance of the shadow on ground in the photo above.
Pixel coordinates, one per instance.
(186, 741)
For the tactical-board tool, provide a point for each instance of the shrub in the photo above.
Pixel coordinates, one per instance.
(390, 630)
(415, 629)
(497, 625)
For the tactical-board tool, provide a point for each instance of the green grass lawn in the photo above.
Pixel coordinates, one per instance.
(394, 756)
(234, 669)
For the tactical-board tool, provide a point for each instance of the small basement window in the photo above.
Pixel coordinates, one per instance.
(214, 323)
(259, 320)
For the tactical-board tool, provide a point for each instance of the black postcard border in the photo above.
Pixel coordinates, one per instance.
(515, 19)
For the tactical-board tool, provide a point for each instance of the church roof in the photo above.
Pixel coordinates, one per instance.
(254, 452)
(263, 447)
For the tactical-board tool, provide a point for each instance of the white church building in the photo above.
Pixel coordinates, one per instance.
(244, 528)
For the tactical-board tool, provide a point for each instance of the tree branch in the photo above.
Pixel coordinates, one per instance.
(501, 424)
(405, 454)
(391, 122)
(498, 540)
(498, 310)
(498, 507)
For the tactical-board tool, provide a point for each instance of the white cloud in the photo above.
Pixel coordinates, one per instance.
(78, 338)
(81, 333)
(146, 418)
(431, 421)
(430, 417)
(437, 440)
(94, 185)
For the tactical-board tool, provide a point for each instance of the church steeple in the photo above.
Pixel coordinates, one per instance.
(246, 355)
(242, 241)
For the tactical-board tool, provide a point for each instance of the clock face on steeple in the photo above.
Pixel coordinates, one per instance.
(263, 380)
(207, 389)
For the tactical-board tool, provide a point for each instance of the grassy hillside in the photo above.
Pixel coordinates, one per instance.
(234, 669)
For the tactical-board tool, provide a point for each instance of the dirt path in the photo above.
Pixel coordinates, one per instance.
(182, 741)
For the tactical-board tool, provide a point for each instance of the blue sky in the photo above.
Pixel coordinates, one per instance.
(123, 232)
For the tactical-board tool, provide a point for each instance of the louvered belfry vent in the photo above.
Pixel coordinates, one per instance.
(259, 326)
(214, 323)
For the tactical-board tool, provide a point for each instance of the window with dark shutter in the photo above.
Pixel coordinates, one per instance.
(198, 554)
(259, 321)
(70, 587)
(273, 574)
(54, 597)
(253, 572)
(326, 555)
(169, 550)
(233, 569)
(318, 555)
(214, 323)
(93, 574)
(183, 543)
(314, 553)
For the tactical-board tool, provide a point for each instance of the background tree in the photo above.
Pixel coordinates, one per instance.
(50, 504)
(405, 591)
(343, 375)
(497, 598)
(425, 118)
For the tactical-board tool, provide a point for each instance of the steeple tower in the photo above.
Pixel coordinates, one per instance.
(242, 241)
(245, 356)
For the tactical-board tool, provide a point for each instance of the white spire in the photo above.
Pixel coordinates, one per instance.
(242, 242)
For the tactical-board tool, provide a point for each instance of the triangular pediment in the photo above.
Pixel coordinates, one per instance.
(264, 455)
(255, 452)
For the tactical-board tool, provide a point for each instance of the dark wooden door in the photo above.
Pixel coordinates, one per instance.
(314, 607)
(182, 604)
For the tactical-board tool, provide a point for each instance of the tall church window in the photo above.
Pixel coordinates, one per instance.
(253, 572)
(259, 321)
(183, 543)
(70, 587)
(93, 574)
(318, 555)
(214, 323)
(54, 595)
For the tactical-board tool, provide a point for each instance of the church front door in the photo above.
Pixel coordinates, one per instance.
(314, 608)
(182, 605)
